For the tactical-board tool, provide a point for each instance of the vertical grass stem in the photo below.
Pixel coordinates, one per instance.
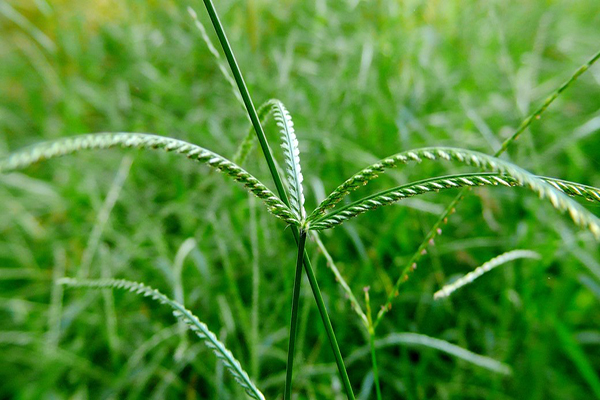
(237, 75)
(294, 320)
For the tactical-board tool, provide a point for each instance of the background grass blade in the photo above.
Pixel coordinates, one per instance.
(577, 356)
(222, 67)
(416, 339)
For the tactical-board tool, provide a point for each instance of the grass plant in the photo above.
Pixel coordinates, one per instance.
(252, 337)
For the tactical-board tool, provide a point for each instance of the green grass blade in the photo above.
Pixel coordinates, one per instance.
(420, 340)
(224, 71)
(103, 215)
(577, 356)
(13, 15)
(61, 147)
(371, 329)
(237, 74)
(183, 315)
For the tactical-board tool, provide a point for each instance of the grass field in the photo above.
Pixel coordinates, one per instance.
(362, 80)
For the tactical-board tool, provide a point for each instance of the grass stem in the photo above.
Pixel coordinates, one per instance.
(237, 75)
(294, 320)
(328, 328)
(371, 330)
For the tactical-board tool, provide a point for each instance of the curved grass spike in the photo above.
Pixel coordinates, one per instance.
(450, 288)
(289, 143)
(443, 219)
(237, 75)
(559, 200)
(390, 196)
(183, 315)
(291, 152)
(61, 147)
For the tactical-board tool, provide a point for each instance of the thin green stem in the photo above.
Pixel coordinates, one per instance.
(294, 320)
(538, 113)
(237, 75)
(328, 328)
(254, 322)
(411, 266)
(371, 329)
(340, 279)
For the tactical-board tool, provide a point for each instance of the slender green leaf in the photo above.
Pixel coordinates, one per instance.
(419, 340)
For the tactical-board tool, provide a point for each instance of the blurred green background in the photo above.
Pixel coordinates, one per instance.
(362, 80)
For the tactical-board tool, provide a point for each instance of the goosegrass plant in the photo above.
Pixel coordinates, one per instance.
(288, 205)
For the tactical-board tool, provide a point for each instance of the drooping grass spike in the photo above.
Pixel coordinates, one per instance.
(291, 152)
(559, 200)
(574, 189)
(390, 196)
(183, 315)
(61, 147)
